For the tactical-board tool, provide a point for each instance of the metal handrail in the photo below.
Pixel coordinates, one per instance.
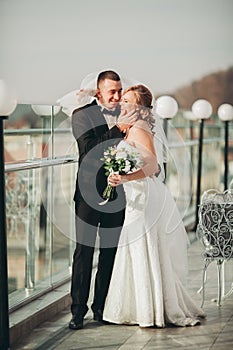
(41, 131)
(40, 163)
(193, 142)
(45, 162)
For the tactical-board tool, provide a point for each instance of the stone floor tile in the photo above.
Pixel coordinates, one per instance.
(214, 333)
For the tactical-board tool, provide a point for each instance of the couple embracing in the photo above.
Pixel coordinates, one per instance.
(142, 242)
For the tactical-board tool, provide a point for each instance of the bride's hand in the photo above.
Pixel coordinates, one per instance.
(126, 119)
(116, 179)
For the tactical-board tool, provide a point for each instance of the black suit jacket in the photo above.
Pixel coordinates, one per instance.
(93, 137)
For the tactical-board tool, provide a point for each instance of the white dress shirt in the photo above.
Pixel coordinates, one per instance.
(110, 120)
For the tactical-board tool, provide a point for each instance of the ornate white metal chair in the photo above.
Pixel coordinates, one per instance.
(215, 231)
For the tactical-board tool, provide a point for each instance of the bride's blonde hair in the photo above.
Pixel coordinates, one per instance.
(143, 100)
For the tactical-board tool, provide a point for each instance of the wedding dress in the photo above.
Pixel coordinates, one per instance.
(148, 279)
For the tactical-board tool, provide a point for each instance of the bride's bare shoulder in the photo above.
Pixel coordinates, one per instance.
(140, 134)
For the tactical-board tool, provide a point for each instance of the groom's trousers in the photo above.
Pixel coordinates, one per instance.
(89, 222)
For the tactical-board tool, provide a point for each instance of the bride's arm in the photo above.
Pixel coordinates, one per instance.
(144, 142)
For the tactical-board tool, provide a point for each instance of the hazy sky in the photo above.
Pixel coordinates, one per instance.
(49, 46)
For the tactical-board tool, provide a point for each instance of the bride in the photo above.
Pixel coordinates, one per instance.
(148, 280)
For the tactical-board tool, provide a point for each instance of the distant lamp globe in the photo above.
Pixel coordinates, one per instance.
(45, 110)
(166, 107)
(225, 112)
(189, 115)
(7, 102)
(202, 109)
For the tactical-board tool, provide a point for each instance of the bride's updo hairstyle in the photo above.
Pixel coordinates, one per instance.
(143, 100)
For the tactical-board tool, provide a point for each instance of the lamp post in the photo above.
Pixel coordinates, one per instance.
(166, 108)
(7, 106)
(191, 118)
(225, 113)
(202, 110)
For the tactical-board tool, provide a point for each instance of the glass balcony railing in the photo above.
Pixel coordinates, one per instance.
(40, 170)
(40, 173)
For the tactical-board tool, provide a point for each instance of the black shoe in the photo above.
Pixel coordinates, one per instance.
(76, 323)
(98, 315)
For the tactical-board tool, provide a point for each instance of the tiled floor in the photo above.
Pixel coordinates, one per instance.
(215, 332)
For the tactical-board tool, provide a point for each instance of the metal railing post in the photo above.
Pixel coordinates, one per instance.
(226, 155)
(199, 171)
(4, 316)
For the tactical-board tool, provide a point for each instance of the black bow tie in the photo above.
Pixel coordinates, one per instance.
(112, 113)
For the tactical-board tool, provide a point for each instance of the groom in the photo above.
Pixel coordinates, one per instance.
(95, 128)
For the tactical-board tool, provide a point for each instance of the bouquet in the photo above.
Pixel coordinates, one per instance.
(118, 161)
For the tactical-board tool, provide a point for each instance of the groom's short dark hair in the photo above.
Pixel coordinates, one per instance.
(107, 74)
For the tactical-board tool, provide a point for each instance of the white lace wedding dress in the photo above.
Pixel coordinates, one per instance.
(147, 284)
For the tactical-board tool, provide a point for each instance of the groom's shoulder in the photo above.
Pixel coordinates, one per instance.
(89, 106)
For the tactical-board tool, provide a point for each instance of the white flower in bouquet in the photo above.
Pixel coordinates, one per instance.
(121, 154)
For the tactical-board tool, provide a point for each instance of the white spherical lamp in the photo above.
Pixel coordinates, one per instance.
(225, 112)
(45, 110)
(189, 115)
(7, 102)
(202, 109)
(166, 107)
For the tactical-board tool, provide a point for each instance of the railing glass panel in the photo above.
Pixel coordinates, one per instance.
(40, 173)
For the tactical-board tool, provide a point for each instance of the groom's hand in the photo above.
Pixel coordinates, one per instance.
(126, 120)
